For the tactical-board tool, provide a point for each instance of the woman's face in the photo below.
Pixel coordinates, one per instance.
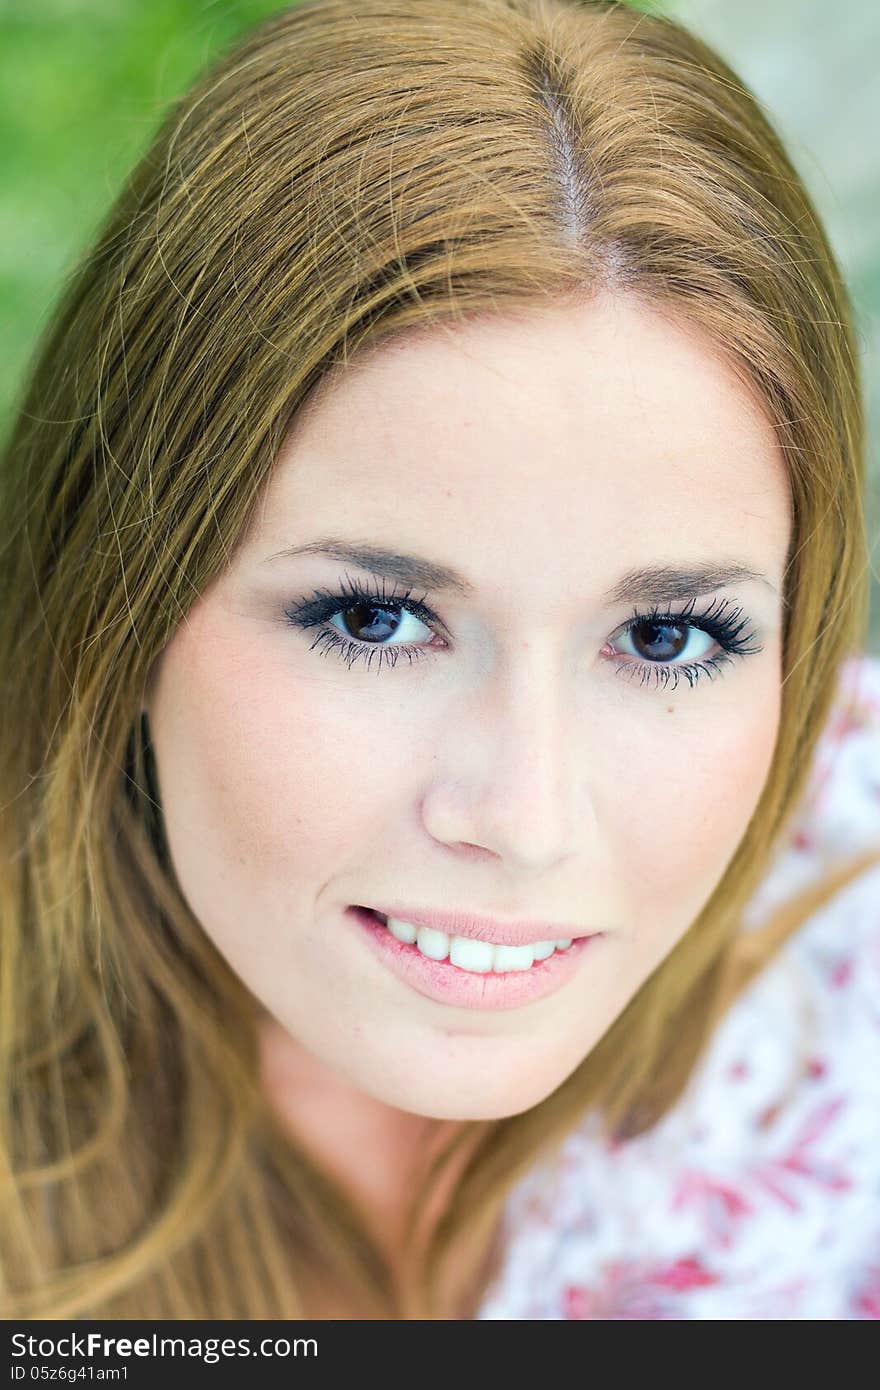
(534, 754)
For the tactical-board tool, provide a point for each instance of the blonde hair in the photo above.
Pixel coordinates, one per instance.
(351, 170)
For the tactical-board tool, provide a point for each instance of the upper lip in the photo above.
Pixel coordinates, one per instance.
(493, 929)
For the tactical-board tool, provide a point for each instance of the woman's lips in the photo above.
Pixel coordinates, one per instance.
(449, 984)
(477, 926)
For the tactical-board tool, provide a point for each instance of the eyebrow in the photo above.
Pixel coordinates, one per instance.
(657, 583)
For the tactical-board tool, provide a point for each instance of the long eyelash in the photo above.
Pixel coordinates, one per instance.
(325, 604)
(729, 629)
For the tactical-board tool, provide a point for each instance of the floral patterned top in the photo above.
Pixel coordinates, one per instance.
(758, 1195)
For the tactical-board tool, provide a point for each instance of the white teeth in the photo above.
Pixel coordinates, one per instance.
(472, 955)
(434, 944)
(404, 931)
(515, 957)
(564, 942)
(480, 957)
(543, 949)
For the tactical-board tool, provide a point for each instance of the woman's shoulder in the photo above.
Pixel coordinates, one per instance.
(756, 1195)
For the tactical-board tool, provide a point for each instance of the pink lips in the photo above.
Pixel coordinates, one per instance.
(446, 983)
(492, 929)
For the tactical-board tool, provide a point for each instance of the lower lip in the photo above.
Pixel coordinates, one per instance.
(448, 984)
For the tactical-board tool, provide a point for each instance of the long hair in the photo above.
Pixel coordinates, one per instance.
(349, 171)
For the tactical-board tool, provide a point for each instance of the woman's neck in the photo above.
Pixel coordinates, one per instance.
(376, 1152)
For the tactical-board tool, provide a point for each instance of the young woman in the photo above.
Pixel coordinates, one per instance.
(435, 590)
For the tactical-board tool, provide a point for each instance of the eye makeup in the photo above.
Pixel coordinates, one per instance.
(728, 627)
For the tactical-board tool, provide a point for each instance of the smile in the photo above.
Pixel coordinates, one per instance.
(467, 973)
(479, 957)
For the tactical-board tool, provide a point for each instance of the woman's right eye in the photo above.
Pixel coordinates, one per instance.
(373, 616)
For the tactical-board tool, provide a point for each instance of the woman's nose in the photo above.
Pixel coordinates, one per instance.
(508, 777)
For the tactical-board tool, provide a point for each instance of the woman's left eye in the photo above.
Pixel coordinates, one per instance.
(375, 616)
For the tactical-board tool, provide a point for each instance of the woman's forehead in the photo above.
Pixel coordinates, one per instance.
(538, 433)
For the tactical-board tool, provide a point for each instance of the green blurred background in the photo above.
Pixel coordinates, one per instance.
(85, 83)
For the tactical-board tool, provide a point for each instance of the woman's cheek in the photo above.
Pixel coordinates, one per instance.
(682, 826)
(292, 757)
